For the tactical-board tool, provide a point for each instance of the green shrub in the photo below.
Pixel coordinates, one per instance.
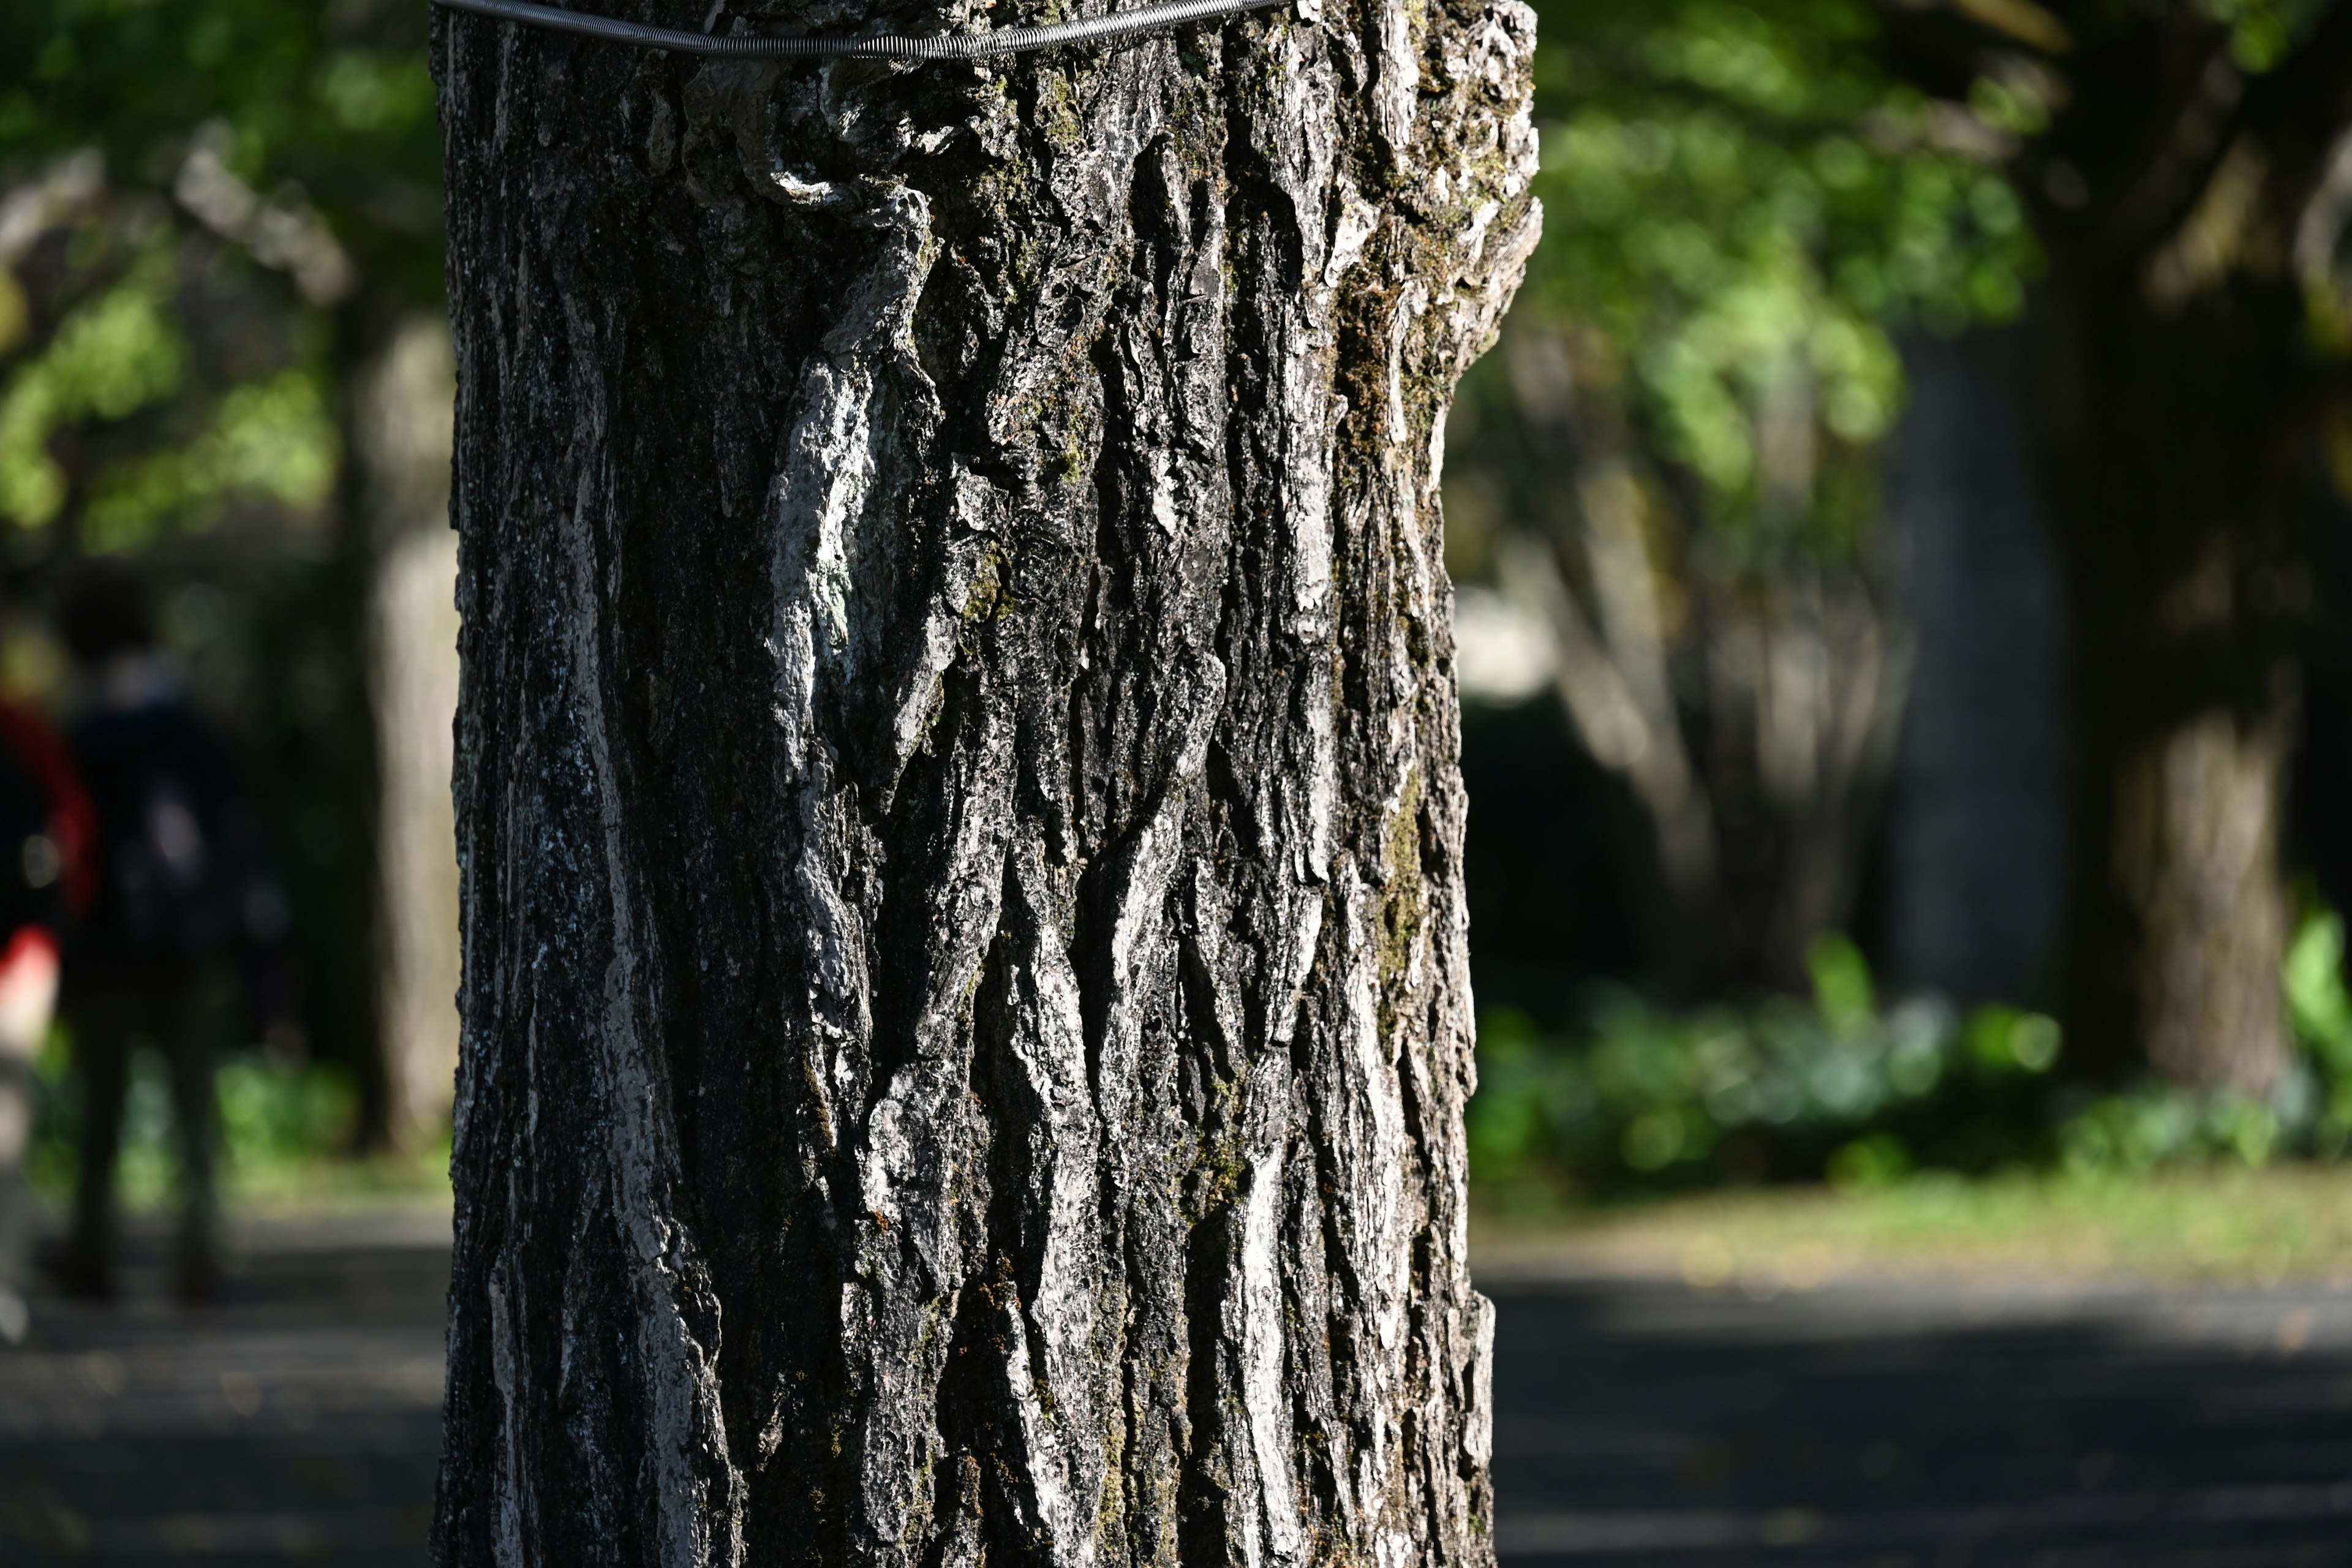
(1834, 1086)
(273, 1115)
(272, 1119)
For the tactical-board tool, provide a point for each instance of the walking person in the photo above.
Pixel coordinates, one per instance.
(174, 840)
(47, 829)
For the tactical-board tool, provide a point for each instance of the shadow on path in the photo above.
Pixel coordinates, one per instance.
(298, 1421)
(1637, 1422)
(1922, 1425)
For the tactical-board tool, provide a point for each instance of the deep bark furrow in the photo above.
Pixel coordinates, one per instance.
(966, 1021)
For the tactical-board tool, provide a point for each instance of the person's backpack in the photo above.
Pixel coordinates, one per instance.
(175, 856)
(167, 872)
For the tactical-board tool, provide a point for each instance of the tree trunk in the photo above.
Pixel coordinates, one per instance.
(2192, 207)
(402, 451)
(1748, 710)
(1977, 827)
(965, 1014)
(2174, 445)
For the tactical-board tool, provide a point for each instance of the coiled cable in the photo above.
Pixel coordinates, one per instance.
(878, 46)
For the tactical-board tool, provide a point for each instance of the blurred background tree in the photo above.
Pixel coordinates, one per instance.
(1675, 459)
(2187, 170)
(221, 351)
(1924, 410)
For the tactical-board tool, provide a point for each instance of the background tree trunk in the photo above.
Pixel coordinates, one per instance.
(402, 435)
(2193, 212)
(2192, 204)
(1747, 704)
(1977, 828)
(2174, 449)
(965, 1010)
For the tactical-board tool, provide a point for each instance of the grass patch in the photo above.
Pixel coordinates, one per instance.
(332, 1181)
(2214, 1223)
(286, 1136)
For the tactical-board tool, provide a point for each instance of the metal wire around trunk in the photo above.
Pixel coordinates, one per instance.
(880, 46)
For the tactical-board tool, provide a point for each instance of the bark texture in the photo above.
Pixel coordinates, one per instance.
(965, 1010)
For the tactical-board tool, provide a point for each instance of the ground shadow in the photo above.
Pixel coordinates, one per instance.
(298, 1419)
(1922, 1425)
(1636, 1421)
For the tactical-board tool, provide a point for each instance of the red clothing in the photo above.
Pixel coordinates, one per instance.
(73, 820)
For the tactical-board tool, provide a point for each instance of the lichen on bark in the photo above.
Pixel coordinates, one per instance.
(966, 1017)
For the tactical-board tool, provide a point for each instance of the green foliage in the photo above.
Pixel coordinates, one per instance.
(1736, 192)
(2155, 1124)
(163, 437)
(2315, 997)
(156, 373)
(2263, 32)
(1640, 1099)
(275, 1115)
(274, 440)
(1832, 1085)
(276, 1122)
(110, 357)
(334, 98)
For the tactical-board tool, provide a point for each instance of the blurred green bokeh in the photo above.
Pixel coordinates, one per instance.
(1730, 188)
(1631, 1099)
(285, 1130)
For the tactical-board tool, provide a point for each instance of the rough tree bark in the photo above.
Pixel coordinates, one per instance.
(965, 1014)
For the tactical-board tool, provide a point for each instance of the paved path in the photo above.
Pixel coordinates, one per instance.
(1882, 1424)
(298, 1422)
(1922, 1424)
